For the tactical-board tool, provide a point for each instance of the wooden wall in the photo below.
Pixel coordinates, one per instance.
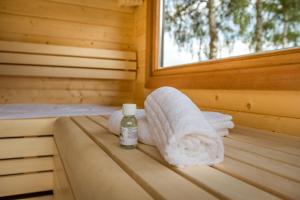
(277, 111)
(89, 23)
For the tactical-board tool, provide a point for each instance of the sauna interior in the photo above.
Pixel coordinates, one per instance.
(111, 52)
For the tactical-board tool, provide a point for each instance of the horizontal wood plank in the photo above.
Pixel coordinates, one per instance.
(26, 147)
(263, 151)
(44, 197)
(276, 145)
(68, 12)
(251, 101)
(16, 166)
(268, 181)
(40, 83)
(286, 77)
(63, 72)
(46, 60)
(62, 29)
(274, 166)
(26, 183)
(103, 4)
(26, 127)
(135, 163)
(22, 47)
(92, 173)
(265, 180)
(221, 184)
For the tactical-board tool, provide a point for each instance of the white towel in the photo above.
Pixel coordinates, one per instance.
(220, 122)
(181, 133)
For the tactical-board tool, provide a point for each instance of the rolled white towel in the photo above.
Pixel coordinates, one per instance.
(181, 133)
(144, 135)
(216, 117)
(219, 123)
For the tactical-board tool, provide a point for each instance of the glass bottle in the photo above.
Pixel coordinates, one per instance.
(129, 127)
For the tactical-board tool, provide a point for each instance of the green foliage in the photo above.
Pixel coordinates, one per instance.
(187, 23)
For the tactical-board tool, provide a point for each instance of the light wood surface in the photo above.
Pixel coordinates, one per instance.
(61, 189)
(97, 26)
(64, 72)
(44, 197)
(26, 127)
(26, 165)
(26, 147)
(35, 48)
(135, 163)
(20, 62)
(26, 183)
(250, 170)
(46, 60)
(102, 177)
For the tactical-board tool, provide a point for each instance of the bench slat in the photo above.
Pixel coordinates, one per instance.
(260, 178)
(26, 183)
(263, 151)
(26, 127)
(46, 60)
(154, 176)
(64, 72)
(26, 147)
(92, 173)
(15, 166)
(62, 189)
(8, 46)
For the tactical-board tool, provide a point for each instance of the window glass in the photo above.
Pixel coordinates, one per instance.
(200, 30)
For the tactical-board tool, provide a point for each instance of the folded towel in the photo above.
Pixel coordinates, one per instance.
(181, 133)
(220, 122)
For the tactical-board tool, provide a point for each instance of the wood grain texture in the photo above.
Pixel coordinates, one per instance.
(101, 177)
(16, 166)
(135, 162)
(26, 127)
(60, 61)
(33, 48)
(26, 147)
(62, 189)
(99, 25)
(64, 72)
(44, 197)
(26, 183)
(275, 103)
(254, 174)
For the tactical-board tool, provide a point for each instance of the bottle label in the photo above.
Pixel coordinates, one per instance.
(129, 135)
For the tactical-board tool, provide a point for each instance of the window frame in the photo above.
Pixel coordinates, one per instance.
(272, 70)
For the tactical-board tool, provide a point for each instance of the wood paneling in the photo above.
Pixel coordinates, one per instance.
(91, 23)
(26, 127)
(26, 183)
(26, 165)
(26, 147)
(21, 47)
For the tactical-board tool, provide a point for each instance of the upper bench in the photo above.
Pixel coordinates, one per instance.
(43, 60)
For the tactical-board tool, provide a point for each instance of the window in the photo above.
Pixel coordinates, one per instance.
(193, 31)
(257, 66)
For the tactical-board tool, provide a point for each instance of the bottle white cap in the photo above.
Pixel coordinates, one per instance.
(129, 109)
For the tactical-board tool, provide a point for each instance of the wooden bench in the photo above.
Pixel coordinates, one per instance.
(26, 156)
(91, 165)
(41, 60)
